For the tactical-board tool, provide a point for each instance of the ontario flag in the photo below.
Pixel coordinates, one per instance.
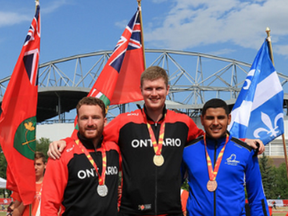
(18, 117)
(119, 81)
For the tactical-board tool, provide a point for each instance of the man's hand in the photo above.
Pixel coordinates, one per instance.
(253, 144)
(55, 149)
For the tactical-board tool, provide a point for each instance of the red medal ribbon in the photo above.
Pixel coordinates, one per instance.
(213, 173)
(101, 178)
(157, 146)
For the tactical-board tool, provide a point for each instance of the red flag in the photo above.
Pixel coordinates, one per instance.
(18, 117)
(119, 81)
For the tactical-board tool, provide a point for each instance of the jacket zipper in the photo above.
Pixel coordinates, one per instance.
(215, 154)
(156, 175)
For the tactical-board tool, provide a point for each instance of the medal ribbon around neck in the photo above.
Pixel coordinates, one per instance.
(157, 146)
(101, 178)
(213, 173)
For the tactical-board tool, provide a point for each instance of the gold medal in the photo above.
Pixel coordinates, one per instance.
(158, 160)
(211, 185)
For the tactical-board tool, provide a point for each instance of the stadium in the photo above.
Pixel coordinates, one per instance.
(194, 78)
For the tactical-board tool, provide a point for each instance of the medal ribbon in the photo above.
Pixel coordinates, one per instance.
(101, 178)
(157, 146)
(213, 173)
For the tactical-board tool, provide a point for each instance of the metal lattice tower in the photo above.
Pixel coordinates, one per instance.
(193, 77)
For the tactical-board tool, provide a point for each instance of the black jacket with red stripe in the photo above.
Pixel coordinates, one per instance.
(71, 182)
(148, 189)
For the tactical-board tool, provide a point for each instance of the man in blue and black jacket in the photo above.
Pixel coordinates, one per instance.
(222, 167)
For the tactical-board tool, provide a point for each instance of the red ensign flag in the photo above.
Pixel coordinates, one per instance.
(18, 117)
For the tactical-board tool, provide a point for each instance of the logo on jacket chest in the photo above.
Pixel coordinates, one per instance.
(90, 173)
(231, 160)
(173, 142)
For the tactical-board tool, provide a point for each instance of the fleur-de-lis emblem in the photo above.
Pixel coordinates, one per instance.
(247, 82)
(273, 131)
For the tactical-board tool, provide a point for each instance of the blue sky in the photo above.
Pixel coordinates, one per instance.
(227, 28)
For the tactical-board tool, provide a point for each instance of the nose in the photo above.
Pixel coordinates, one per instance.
(154, 92)
(215, 121)
(89, 121)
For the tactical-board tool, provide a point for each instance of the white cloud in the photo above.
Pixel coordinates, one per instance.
(122, 24)
(203, 22)
(52, 6)
(10, 18)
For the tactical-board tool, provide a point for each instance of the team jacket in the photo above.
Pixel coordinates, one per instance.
(71, 182)
(148, 189)
(238, 167)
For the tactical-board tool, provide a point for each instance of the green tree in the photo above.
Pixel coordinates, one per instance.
(42, 145)
(185, 185)
(268, 176)
(3, 164)
(281, 182)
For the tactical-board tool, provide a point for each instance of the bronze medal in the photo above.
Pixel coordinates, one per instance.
(102, 190)
(158, 160)
(211, 185)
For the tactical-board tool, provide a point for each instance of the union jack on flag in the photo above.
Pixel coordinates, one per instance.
(119, 81)
(129, 40)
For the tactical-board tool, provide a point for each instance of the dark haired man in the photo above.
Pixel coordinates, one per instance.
(222, 167)
(85, 180)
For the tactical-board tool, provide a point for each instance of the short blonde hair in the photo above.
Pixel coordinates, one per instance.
(153, 73)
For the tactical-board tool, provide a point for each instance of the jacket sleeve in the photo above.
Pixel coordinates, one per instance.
(54, 184)
(194, 132)
(256, 197)
(111, 131)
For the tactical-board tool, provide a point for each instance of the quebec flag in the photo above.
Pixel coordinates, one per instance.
(258, 111)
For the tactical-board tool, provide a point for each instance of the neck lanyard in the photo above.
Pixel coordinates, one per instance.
(102, 190)
(212, 184)
(158, 158)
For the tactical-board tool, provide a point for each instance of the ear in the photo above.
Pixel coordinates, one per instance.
(229, 119)
(201, 118)
(105, 121)
(168, 87)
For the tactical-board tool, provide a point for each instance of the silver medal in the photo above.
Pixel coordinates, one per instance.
(102, 190)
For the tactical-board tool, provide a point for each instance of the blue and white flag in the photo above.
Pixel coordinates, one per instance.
(258, 111)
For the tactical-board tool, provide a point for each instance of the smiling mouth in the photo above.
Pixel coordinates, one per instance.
(215, 130)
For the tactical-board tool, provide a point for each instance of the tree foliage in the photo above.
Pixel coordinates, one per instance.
(42, 145)
(281, 182)
(268, 176)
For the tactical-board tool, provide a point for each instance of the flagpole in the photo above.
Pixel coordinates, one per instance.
(37, 3)
(142, 34)
(272, 59)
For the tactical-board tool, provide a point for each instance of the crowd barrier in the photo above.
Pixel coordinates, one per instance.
(278, 202)
(5, 201)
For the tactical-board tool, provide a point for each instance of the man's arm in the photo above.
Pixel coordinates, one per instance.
(54, 184)
(56, 148)
(256, 197)
(256, 144)
(18, 208)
